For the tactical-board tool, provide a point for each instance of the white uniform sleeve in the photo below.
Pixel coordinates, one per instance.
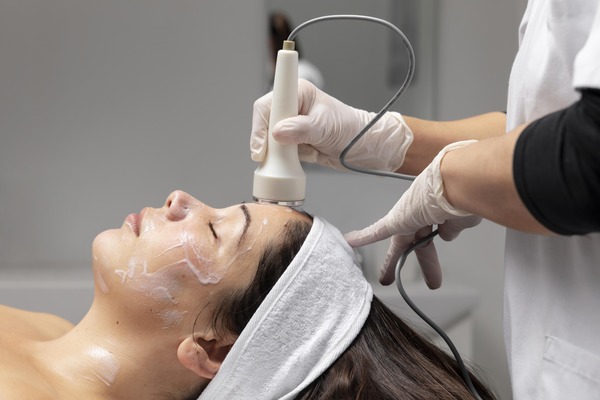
(586, 72)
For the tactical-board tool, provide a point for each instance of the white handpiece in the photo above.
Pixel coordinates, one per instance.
(280, 178)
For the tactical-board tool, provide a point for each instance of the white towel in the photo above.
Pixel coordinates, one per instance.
(312, 314)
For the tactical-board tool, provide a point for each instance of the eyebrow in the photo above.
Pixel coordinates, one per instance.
(247, 223)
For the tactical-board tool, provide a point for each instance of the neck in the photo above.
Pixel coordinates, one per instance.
(105, 360)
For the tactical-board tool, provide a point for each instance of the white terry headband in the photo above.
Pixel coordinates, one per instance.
(312, 314)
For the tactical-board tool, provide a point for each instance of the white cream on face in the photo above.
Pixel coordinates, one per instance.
(157, 285)
(148, 227)
(209, 269)
(187, 252)
(204, 268)
(171, 317)
(100, 281)
(160, 286)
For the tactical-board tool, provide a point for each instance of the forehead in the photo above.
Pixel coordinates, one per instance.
(265, 223)
(272, 210)
(258, 211)
(253, 223)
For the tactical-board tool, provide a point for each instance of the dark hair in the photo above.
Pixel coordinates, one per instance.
(280, 28)
(235, 311)
(390, 361)
(387, 360)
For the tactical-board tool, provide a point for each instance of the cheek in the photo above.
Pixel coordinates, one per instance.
(158, 265)
(159, 285)
(184, 251)
(166, 268)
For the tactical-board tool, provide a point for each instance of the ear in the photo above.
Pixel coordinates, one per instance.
(203, 356)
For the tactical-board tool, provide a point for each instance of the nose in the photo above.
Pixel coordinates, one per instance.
(178, 205)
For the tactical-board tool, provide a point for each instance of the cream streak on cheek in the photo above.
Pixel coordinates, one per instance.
(204, 268)
(207, 269)
(171, 317)
(158, 285)
(161, 276)
(161, 286)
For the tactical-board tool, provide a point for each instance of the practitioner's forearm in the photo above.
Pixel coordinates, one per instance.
(479, 178)
(431, 136)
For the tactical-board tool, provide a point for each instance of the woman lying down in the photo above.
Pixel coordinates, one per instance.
(246, 302)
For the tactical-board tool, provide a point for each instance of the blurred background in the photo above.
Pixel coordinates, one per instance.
(108, 106)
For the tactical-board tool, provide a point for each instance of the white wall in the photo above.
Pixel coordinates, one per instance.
(478, 40)
(107, 106)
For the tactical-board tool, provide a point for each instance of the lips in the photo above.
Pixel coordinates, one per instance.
(133, 221)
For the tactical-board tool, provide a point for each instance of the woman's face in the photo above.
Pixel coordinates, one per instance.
(170, 261)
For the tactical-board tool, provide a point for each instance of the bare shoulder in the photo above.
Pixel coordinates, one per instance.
(21, 390)
(18, 378)
(33, 325)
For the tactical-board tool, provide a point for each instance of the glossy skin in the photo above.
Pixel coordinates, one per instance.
(148, 331)
(180, 256)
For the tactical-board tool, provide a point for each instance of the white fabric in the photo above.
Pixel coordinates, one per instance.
(552, 284)
(312, 314)
(587, 63)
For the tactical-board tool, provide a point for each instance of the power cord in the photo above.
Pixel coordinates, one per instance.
(421, 242)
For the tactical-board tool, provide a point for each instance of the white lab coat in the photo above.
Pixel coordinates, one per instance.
(552, 284)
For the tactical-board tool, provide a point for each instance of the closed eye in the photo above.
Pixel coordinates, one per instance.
(212, 229)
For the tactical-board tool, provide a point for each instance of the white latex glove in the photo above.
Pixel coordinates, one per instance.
(325, 126)
(412, 217)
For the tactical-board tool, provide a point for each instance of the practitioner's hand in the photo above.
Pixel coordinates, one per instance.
(420, 207)
(325, 126)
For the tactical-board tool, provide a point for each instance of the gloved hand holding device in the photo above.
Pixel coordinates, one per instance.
(420, 207)
(325, 126)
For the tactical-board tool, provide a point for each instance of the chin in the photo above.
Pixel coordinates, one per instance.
(107, 245)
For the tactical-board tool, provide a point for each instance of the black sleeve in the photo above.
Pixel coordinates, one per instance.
(556, 167)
